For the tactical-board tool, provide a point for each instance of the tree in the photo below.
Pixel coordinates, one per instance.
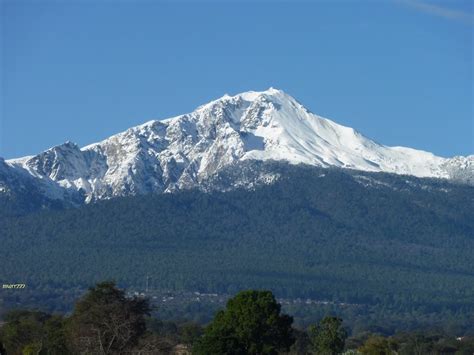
(105, 321)
(23, 329)
(190, 333)
(328, 337)
(55, 335)
(33, 332)
(250, 324)
(377, 345)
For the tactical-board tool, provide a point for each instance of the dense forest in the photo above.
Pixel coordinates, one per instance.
(397, 248)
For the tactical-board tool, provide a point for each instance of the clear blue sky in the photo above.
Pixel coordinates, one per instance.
(400, 72)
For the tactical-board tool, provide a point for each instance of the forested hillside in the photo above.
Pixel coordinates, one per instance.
(374, 239)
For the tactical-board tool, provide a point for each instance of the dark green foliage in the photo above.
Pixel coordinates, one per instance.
(104, 321)
(56, 338)
(250, 324)
(377, 345)
(190, 333)
(399, 249)
(302, 344)
(328, 337)
(33, 332)
(22, 329)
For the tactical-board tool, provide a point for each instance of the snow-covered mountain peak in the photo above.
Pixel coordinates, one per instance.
(184, 151)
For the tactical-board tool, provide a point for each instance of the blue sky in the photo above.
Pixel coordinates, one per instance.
(400, 72)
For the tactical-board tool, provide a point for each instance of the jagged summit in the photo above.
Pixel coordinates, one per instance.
(183, 151)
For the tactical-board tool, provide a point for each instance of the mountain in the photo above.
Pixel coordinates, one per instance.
(192, 149)
(396, 248)
(293, 202)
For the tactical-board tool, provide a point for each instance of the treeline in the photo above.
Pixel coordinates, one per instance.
(106, 321)
(396, 246)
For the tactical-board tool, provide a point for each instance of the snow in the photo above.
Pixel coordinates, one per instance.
(182, 151)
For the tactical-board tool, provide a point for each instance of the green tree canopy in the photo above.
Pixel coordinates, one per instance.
(378, 345)
(250, 324)
(33, 332)
(328, 337)
(105, 321)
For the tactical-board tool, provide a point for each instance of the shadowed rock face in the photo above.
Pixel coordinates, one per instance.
(189, 150)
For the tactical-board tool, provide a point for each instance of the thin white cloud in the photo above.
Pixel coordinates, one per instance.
(442, 11)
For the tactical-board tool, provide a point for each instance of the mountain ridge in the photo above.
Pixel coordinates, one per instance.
(184, 151)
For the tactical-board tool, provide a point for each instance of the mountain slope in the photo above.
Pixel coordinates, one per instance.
(326, 234)
(187, 150)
